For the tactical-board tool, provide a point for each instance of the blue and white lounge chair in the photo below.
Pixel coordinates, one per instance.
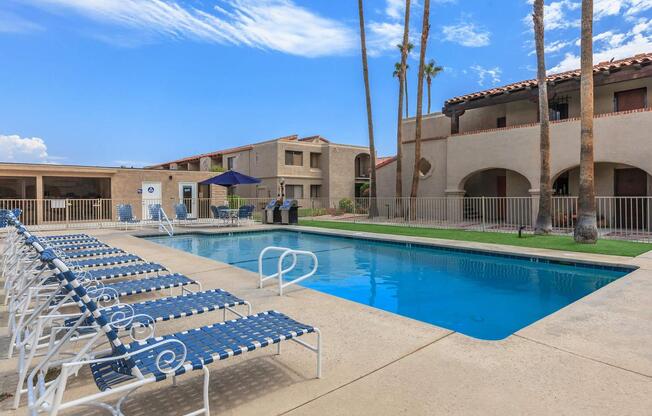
(126, 215)
(28, 338)
(127, 367)
(67, 237)
(125, 271)
(91, 253)
(79, 246)
(104, 261)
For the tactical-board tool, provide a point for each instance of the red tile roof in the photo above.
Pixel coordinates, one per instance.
(211, 154)
(641, 59)
(384, 161)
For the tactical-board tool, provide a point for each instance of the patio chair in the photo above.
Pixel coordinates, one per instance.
(126, 215)
(126, 367)
(104, 261)
(142, 314)
(245, 213)
(181, 212)
(67, 237)
(155, 212)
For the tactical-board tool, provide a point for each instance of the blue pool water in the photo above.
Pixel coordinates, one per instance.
(481, 295)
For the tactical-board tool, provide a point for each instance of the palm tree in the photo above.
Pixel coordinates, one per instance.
(431, 71)
(543, 224)
(373, 207)
(586, 229)
(409, 48)
(402, 89)
(417, 134)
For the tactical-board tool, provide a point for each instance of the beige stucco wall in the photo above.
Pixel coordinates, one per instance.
(386, 180)
(125, 183)
(434, 151)
(434, 125)
(622, 138)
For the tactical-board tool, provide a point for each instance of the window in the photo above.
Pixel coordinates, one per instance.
(315, 160)
(294, 191)
(315, 191)
(630, 100)
(424, 167)
(501, 122)
(558, 111)
(230, 163)
(293, 158)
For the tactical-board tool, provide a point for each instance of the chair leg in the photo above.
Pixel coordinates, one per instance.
(207, 376)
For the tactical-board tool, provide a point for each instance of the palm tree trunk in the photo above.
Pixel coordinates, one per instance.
(419, 120)
(543, 224)
(373, 207)
(399, 128)
(429, 85)
(407, 99)
(586, 230)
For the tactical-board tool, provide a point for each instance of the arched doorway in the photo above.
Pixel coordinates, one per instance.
(497, 195)
(621, 196)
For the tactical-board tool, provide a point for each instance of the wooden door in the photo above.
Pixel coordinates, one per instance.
(631, 213)
(631, 99)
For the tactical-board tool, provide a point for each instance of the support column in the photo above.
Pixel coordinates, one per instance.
(455, 206)
(39, 199)
(534, 200)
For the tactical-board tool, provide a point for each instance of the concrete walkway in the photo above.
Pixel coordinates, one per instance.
(593, 357)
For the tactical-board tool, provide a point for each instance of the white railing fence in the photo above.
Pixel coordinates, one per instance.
(618, 217)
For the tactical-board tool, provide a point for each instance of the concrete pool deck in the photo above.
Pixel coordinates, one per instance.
(592, 357)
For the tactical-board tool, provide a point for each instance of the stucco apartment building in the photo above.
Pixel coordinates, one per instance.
(310, 167)
(487, 143)
(60, 193)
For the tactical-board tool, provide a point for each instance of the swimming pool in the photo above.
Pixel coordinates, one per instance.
(485, 296)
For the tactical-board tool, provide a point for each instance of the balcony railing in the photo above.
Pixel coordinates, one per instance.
(552, 122)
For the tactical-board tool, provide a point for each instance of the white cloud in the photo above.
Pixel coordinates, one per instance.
(384, 37)
(554, 47)
(395, 9)
(556, 15)
(613, 45)
(12, 23)
(492, 75)
(23, 149)
(278, 25)
(467, 34)
(604, 8)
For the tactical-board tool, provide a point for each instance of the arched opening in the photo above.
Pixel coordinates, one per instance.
(620, 190)
(496, 183)
(611, 179)
(362, 167)
(497, 195)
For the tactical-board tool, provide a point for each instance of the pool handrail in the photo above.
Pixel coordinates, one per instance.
(282, 271)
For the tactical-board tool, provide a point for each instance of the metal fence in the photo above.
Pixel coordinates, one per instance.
(618, 217)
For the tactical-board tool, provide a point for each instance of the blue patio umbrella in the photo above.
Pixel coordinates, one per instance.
(231, 178)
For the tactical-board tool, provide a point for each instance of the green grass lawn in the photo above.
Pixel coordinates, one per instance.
(553, 242)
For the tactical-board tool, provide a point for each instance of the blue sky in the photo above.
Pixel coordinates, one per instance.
(132, 82)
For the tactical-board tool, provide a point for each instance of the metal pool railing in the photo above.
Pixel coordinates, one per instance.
(628, 218)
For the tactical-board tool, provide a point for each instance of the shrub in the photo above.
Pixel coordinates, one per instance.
(217, 169)
(236, 201)
(346, 205)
